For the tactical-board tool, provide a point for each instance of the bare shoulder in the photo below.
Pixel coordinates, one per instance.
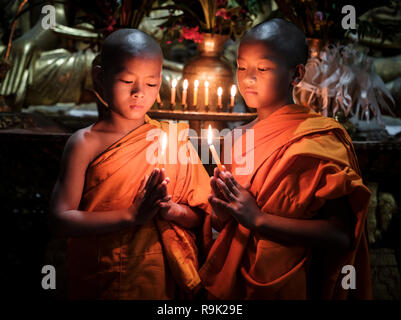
(82, 144)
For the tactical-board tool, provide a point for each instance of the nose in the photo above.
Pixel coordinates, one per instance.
(250, 78)
(137, 91)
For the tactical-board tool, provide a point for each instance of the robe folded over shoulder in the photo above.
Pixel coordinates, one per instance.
(156, 259)
(300, 160)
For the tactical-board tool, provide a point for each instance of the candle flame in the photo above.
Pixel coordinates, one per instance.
(206, 84)
(209, 135)
(233, 90)
(174, 83)
(219, 91)
(185, 84)
(196, 83)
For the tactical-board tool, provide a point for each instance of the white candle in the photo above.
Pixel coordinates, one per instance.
(184, 92)
(219, 94)
(206, 93)
(212, 148)
(173, 86)
(196, 85)
(163, 147)
(159, 100)
(233, 92)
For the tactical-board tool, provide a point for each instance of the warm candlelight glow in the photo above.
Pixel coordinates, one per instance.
(233, 92)
(163, 145)
(173, 86)
(212, 148)
(184, 92)
(206, 93)
(209, 135)
(219, 94)
(196, 85)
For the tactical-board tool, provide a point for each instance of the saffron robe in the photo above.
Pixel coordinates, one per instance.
(156, 259)
(301, 160)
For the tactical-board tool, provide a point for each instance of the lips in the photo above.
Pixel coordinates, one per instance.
(249, 91)
(136, 107)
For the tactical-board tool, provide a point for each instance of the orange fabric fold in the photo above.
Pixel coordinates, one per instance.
(144, 262)
(301, 160)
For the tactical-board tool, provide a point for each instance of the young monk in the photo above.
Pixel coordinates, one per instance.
(128, 220)
(291, 225)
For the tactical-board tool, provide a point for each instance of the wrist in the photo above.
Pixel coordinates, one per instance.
(129, 216)
(259, 222)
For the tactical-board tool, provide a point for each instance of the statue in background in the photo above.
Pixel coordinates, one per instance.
(44, 70)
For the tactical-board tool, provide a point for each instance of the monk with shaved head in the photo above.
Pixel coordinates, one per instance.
(292, 226)
(127, 217)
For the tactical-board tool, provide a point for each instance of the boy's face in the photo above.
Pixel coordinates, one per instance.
(263, 76)
(132, 90)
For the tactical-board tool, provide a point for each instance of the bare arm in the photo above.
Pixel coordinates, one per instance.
(332, 229)
(66, 220)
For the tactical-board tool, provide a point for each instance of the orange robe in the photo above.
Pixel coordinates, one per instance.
(152, 261)
(301, 160)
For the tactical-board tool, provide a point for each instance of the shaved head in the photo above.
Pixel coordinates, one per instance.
(283, 37)
(126, 43)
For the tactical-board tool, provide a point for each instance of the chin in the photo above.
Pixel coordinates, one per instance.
(252, 105)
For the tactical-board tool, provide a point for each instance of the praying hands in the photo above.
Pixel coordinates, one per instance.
(229, 198)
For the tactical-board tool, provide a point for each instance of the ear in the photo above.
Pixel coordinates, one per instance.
(299, 72)
(98, 77)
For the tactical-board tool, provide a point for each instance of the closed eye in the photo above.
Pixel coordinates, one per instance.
(241, 68)
(264, 69)
(125, 81)
(152, 85)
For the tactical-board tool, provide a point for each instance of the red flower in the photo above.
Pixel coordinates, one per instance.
(192, 34)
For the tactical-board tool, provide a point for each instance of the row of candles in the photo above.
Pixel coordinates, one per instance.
(209, 142)
(195, 96)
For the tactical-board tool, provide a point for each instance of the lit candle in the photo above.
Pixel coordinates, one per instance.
(233, 92)
(184, 93)
(206, 93)
(212, 148)
(163, 147)
(159, 100)
(173, 85)
(196, 85)
(219, 94)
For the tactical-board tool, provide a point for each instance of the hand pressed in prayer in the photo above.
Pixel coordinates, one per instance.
(171, 211)
(151, 193)
(229, 198)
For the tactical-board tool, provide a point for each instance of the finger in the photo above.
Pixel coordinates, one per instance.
(17, 75)
(164, 204)
(162, 176)
(228, 194)
(158, 193)
(216, 189)
(216, 172)
(229, 181)
(153, 179)
(219, 205)
(143, 183)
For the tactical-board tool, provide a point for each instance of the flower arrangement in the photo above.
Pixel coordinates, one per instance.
(190, 19)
